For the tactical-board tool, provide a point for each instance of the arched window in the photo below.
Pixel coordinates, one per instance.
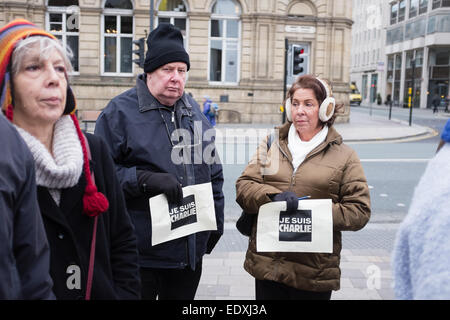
(62, 20)
(174, 12)
(224, 41)
(117, 37)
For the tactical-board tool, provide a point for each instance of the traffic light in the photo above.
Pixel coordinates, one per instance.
(140, 52)
(298, 61)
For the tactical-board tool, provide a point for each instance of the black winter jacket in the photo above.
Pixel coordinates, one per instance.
(24, 250)
(69, 232)
(139, 132)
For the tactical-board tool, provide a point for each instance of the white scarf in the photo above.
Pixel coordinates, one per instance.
(300, 149)
(63, 169)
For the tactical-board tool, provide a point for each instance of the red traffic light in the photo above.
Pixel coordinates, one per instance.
(298, 50)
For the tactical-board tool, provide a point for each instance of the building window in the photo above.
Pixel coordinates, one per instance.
(224, 41)
(401, 10)
(423, 6)
(440, 3)
(117, 37)
(413, 8)
(394, 12)
(174, 12)
(62, 20)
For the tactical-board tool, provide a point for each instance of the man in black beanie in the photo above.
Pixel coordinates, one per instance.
(142, 126)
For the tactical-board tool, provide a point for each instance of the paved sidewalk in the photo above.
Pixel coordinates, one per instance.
(366, 272)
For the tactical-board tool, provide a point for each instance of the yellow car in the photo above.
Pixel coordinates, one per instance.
(355, 96)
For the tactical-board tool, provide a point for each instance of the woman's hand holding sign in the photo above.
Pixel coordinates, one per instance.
(290, 198)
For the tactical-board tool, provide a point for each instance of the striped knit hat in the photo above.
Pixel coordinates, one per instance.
(94, 202)
(9, 36)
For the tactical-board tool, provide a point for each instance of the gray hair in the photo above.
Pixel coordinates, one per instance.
(46, 46)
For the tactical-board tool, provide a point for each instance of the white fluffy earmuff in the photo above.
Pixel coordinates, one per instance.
(326, 109)
(287, 109)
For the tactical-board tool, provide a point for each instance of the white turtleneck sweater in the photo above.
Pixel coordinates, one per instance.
(300, 149)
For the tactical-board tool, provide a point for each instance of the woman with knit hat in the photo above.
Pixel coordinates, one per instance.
(93, 253)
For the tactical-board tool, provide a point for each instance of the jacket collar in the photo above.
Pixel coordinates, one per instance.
(148, 102)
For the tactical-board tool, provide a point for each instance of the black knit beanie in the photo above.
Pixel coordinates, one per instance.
(165, 45)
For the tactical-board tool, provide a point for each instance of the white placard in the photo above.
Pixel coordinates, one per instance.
(309, 229)
(196, 214)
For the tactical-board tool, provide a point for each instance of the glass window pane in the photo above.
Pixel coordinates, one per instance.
(423, 5)
(231, 62)
(181, 24)
(216, 28)
(215, 66)
(126, 24)
(413, 6)
(172, 5)
(119, 4)
(72, 43)
(62, 3)
(55, 27)
(401, 10)
(110, 24)
(394, 13)
(228, 7)
(110, 54)
(232, 28)
(125, 55)
(163, 20)
(55, 22)
(56, 17)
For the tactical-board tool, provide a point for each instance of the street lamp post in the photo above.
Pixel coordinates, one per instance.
(286, 48)
(151, 15)
(413, 65)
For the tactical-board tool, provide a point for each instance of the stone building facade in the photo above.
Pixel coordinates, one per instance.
(236, 47)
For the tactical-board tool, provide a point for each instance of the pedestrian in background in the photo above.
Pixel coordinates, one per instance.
(436, 102)
(24, 250)
(140, 127)
(93, 251)
(421, 255)
(312, 161)
(209, 110)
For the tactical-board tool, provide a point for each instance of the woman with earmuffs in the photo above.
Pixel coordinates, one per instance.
(93, 249)
(310, 160)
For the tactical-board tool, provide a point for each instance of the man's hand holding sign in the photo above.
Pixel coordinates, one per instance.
(195, 213)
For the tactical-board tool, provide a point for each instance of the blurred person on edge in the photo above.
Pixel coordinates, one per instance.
(24, 250)
(313, 161)
(141, 127)
(421, 254)
(93, 250)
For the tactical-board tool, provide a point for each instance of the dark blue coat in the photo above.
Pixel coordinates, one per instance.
(138, 130)
(24, 250)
